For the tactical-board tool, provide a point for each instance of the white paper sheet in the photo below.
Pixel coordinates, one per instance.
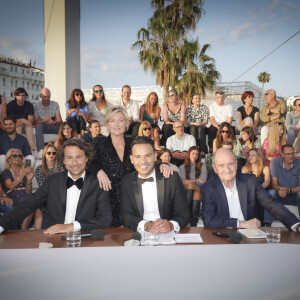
(262, 234)
(188, 238)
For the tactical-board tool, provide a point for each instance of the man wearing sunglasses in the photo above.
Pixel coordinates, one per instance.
(274, 111)
(11, 139)
(73, 198)
(47, 118)
(292, 122)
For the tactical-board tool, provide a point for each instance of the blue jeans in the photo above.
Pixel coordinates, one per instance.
(291, 136)
(293, 199)
(42, 128)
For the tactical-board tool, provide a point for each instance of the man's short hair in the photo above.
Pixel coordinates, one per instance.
(220, 92)
(126, 86)
(20, 90)
(92, 122)
(10, 118)
(142, 140)
(271, 91)
(286, 146)
(86, 147)
(294, 103)
(227, 143)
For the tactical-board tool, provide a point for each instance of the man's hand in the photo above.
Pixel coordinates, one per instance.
(59, 228)
(160, 226)
(283, 191)
(253, 223)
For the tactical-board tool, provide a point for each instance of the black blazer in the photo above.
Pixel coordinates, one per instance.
(93, 210)
(171, 197)
(215, 211)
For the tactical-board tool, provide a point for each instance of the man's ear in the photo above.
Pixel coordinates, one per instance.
(131, 159)
(155, 155)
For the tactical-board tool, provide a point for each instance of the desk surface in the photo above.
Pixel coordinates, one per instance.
(117, 237)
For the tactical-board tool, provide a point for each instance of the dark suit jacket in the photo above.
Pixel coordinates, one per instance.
(93, 210)
(215, 211)
(171, 197)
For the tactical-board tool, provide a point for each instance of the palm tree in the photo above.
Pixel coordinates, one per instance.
(160, 43)
(263, 78)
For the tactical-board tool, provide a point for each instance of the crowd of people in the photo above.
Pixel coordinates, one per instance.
(179, 147)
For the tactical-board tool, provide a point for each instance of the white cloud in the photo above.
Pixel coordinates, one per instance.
(120, 69)
(201, 30)
(247, 30)
(91, 57)
(224, 26)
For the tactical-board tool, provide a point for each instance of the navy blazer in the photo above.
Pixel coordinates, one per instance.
(215, 210)
(93, 209)
(171, 197)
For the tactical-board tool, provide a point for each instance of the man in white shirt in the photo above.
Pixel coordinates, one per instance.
(149, 201)
(132, 109)
(179, 143)
(219, 112)
(230, 199)
(73, 198)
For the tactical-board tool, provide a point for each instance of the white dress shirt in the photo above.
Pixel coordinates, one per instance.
(73, 194)
(183, 144)
(234, 205)
(150, 203)
(132, 109)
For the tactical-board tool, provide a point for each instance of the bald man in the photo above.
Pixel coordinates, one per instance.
(230, 199)
(47, 118)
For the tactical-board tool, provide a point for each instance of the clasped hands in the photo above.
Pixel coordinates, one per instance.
(160, 226)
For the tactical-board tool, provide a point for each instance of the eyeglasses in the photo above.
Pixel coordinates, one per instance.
(225, 131)
(16, 156)
(98, 91)
(49, 153)
(266, 94)
(147, 128)
(279, 123)
(171, 95)
(179, 126)
(78, 94)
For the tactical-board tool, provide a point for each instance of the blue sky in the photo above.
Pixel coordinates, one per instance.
(240, 34)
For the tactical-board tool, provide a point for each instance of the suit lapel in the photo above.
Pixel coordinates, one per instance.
(160, 185)
(242, 192)
(138, 195)
(63, 192)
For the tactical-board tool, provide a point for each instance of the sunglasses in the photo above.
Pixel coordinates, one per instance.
(49, 153)
(147, 128)
(98, 91)
(279, 123)
(78, 94)
(266, 94)
(171, 95)
(225, 131)
(16, 156)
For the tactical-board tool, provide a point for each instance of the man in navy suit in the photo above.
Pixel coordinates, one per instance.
(73, 198)
(149, 201)
(230, 198)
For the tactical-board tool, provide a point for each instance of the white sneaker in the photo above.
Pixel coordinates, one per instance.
(40, 154)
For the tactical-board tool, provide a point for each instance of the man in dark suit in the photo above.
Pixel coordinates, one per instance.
(73, 198)
(230, 198)
(149, 201)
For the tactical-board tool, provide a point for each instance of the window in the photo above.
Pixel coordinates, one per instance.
(27, 85)
(11, 94)
(23, 83)
(11, 68)
(11, 83)
(16, 83)
(16, 70)
(3, 81)
(32, 86)
(23, 71)
(32, 97)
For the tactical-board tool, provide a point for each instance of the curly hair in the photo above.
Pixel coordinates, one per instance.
(219, 138)
(151, 109)
(72, 100)
(187, 163)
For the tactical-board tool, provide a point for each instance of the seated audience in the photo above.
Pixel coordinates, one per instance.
(219, 112)
(23, 111)
(193, 174)
(77, 111)
(165, 156)
(11, 139)
(292, 122)
(247, 141)
(247, 115)
(17, 184)
(94, 132)
(225, 132)
(98, 107)
(132, 109)
(196, 119)
(172, 111)
(65, 132)
(179, 143)
(150, 112)
(271, 146)
(285, 174)
(142, 210)
(6, 203)
(230, 198)
(47, 118)
(49, 164)
(147, 130)
(296, 146)
(273, 112)
(3, 111)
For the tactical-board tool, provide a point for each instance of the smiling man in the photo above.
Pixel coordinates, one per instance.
(230, 198)
(73, 198)
(149, 201)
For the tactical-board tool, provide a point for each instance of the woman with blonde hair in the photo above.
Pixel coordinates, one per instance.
(17, 184)
(271, 146)
(49, 164)
(147, 130)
